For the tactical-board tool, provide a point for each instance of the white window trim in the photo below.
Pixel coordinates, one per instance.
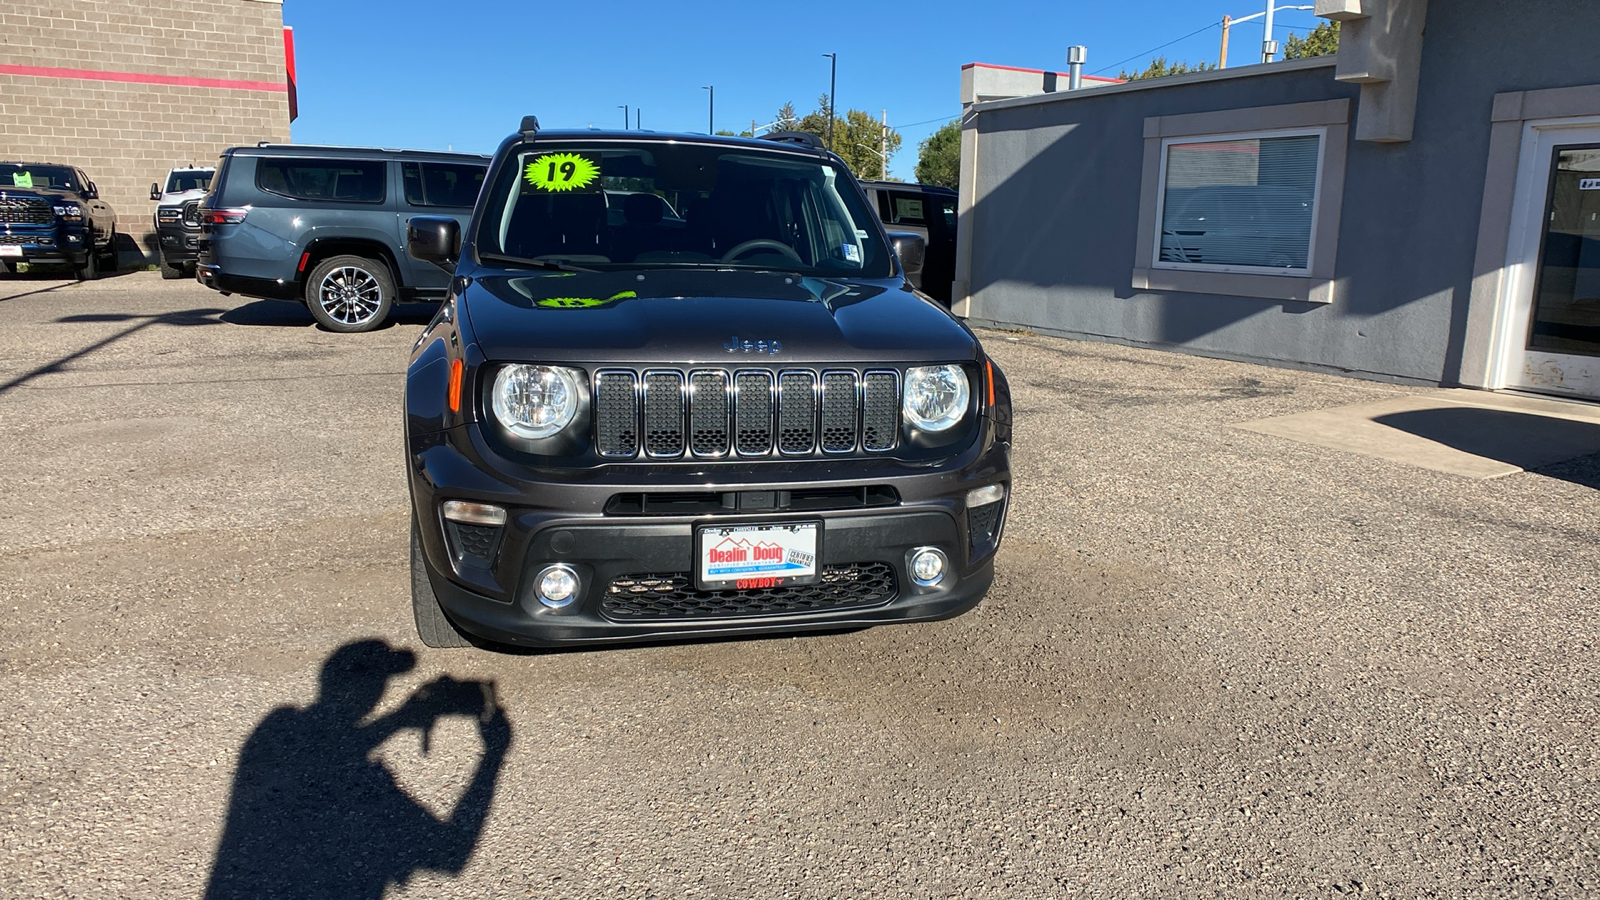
(1313, 285)
(1156, 262)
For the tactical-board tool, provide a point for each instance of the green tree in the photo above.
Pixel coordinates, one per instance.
(1159, 67)
(939, 156)
(855, 138)
(786, 120)
(1322, 41)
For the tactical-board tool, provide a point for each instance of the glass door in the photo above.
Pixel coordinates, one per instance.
(1556, 333)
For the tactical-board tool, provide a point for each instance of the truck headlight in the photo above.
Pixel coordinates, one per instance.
(72, 212)
(936, 397)
(534, 402)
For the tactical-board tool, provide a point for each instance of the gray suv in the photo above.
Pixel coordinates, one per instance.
(326, 226)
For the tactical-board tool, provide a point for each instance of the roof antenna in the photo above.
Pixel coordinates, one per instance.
(530, 127)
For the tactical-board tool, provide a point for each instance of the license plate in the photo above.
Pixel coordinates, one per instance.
(10, 250)
(746, 557)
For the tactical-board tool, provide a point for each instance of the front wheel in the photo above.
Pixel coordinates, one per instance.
(433, 626)
(349, 294)
(109, 262)
(90, 270)
(169, 271)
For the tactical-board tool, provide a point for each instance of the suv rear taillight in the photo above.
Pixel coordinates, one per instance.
(224, 216)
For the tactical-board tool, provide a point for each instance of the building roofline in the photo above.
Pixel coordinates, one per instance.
(1165, 81)
(979, 65)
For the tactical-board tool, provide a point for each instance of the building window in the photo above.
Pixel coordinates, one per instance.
(1239, 202)
(1243, 202)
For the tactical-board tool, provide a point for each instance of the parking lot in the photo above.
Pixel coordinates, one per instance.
(1215, 661)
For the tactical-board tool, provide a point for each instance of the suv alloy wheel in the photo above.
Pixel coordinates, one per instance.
(350, 294)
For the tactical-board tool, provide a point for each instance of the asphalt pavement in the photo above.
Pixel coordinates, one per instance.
(1215, 662)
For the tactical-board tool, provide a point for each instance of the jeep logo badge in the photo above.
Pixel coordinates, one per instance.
(734, 345)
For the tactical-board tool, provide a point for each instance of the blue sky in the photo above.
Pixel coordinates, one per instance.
(408, 73)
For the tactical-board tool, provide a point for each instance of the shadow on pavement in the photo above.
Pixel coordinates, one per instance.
(181, 318)
(1543, 444)
(313, 815)
(288, 314)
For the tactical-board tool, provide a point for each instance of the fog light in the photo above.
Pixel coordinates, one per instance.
(557, 586)
(928, 565)
(984, 496)
(474, 513)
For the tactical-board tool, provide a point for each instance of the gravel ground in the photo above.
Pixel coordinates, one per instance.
(1215, 663)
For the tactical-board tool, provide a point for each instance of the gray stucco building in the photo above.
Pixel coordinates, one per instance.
(1421, 207)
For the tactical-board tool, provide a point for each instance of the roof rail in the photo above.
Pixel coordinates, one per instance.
(277, 146)
(805, 138)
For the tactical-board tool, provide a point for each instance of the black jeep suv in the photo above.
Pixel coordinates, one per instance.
(724, 411)
(52, 214)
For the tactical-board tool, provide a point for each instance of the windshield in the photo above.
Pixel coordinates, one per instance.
(660, 205)
(56, 178)
(178, 182)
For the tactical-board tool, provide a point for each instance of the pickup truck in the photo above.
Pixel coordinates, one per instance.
(177, 218)
(52, 214)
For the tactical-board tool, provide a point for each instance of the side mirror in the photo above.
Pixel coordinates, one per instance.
(93, 193)
(912, 251)
(434, 239)
(155, 191)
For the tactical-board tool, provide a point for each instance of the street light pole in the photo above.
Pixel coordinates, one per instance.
(833, 73)
(1268, 46)
(637, 114)
(624, 108)
(711, 108)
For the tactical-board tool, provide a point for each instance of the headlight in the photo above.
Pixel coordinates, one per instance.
(69, 211)
(534, 401)
(936, 397)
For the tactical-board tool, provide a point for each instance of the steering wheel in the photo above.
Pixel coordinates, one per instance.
(764, 244)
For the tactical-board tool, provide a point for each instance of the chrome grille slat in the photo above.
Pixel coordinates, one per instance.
(715, 413)
(26, 211)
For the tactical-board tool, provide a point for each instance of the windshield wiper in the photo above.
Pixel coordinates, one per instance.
(525, 262)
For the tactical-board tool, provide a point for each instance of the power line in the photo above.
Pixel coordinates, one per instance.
(1154, 49)
(923, 122)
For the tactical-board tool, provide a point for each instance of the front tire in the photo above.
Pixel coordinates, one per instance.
(433, 626)
(169, 271)
(90, 270)
(350, 294)
(109, 260)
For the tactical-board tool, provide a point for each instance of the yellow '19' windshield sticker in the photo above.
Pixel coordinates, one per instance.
(584, 302)
(560, 172)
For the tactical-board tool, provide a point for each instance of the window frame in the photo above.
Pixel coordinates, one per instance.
(1313, 284)
(1156, 262)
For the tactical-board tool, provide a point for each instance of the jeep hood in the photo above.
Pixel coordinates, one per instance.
(700, 316)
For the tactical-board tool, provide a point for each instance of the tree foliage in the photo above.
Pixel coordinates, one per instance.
(939, 156)
(1159, 67)
(1322, 41)
(855, 137)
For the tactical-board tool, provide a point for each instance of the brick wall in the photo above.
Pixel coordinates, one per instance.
(125, 133)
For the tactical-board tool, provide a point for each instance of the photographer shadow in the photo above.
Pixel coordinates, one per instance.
(314, 814)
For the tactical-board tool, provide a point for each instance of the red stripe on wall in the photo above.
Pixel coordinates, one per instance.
(144, 78)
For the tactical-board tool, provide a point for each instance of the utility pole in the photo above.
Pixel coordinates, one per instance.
(711, 108)
(1227, 22)
(1269, 47)
(883, 148)
(833, 72)
(752, 127)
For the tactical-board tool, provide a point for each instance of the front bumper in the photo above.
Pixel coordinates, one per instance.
(179, 246)
(56, 246)
(485, 577)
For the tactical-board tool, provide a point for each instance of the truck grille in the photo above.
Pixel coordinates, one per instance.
(191, 214)
(673, 595)
(713, 413)
(25, 211)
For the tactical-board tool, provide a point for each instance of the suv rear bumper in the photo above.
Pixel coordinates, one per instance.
(213, 277)
(485, 579)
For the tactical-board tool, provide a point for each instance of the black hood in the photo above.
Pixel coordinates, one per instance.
(692, 317)
(38, 193)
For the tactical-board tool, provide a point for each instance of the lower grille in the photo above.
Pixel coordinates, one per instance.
(473, 544)
(673, 596)
(26, 211)
(983, 527)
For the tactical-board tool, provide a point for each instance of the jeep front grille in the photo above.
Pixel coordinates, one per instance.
(712, 413)
(26, 211)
